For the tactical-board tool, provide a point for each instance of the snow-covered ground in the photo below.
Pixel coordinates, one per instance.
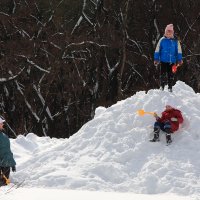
(110, 157)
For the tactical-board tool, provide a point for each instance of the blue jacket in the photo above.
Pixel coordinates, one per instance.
(168, 50)
(6, 156)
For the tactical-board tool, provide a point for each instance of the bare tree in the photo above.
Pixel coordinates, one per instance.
(60, 59)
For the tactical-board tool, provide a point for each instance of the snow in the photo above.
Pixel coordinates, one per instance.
(55, 194)
(110, 157)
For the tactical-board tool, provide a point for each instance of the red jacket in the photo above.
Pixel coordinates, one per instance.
(168, 114)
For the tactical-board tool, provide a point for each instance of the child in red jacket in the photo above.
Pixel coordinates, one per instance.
(168, 122)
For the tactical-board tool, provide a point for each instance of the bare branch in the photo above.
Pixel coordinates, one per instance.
(86, 42)
(43, 102)
(34, 64)
(190, 26)
(12, 77)
(2, 13)
(14, 7)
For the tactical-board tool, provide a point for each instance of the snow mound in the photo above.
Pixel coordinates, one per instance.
(112, 151)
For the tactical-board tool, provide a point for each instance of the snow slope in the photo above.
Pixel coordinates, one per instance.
(111, 153)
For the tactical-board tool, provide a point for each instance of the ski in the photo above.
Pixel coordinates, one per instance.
(168, 143)
(14, 186)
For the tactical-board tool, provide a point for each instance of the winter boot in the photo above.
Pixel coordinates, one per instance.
(2, 181)
(161, 88)
(156, 135)
(170, 90)
(168, 136)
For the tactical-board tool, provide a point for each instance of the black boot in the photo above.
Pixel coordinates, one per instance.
(156, 135)
(2, 181)
(168, 136)
(170, 90)
(161, 88)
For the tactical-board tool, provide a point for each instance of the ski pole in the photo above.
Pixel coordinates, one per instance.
(7, 180)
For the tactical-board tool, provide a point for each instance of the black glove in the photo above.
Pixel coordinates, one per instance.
(14, 169)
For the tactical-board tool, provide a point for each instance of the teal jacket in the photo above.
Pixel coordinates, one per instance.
(6, 156)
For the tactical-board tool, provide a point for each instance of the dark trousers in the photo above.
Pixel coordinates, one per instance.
(163, 126)
(6, 172)
(166, 75)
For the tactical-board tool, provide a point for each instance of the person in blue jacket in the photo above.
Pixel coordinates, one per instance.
(168, 52)
(6, 156)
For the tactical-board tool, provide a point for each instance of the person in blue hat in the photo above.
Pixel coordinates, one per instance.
(7, 161)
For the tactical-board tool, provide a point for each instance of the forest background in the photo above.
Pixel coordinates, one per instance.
(61, 59)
